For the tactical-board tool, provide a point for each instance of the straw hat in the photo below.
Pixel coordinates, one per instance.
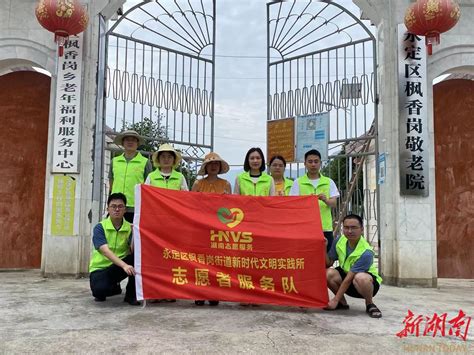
(128, 133)
(210, 158)
(166, 147)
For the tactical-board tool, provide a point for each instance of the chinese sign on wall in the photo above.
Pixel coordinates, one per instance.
(281, 139)
(232, 248)
(67, 111)
(62, 216)
(413, 124)
(312, 132)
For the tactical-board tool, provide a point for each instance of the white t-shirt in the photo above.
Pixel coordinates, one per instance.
(333, 191)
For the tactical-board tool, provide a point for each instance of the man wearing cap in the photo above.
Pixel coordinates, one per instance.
(128, 169)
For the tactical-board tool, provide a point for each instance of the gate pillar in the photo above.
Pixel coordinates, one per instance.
(63, 253)
(407, 223)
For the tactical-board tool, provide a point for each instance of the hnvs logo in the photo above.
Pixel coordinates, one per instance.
(231, 239)
(230, 217)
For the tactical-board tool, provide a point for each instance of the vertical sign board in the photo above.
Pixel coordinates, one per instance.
(281, 138)
(413, 106)
(67, 108)
(312, 132)
(62, 216)
(382, 168)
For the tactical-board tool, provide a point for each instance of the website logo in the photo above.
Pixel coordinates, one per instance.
(230, 217)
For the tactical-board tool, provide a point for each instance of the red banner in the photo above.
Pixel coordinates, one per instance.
(248, 249)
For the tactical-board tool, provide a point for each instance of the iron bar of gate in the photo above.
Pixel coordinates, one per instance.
(154, 54)
(339, 71)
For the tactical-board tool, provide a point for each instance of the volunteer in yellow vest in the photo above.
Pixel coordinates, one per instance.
(356, 275)
(128, 169)
(277, 171)
(314, 183)
(254, 181)
(112, 257)
(165, 160)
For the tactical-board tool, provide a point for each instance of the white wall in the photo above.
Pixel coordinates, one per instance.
(24, 43)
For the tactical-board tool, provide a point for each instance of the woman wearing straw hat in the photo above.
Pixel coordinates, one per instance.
(166, 159)
(128, 169)
(212, 166)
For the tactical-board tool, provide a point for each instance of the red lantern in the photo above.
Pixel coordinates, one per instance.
(430, 18)
(63, 17)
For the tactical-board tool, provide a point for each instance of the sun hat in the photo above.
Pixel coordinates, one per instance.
(210, 158)
(166, 147)
(128, 133)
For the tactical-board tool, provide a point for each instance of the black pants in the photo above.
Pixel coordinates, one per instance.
(329, 236)
(129, 216)
(104, 282)
(352, 291)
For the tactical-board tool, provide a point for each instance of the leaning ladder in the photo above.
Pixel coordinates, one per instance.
(354, 179)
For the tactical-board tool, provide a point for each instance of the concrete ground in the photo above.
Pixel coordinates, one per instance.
(39, 315)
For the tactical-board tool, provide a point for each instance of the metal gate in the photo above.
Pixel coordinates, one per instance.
(322, 58)
(160, 77)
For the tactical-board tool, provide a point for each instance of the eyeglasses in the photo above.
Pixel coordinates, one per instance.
(351, 228)
(117, 207)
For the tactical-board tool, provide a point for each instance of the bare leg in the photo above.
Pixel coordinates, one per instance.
(334, 281)
(363, 284)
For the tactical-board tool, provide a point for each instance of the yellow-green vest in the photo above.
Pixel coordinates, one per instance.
(127, 174)
(117, 240)
(346, 263)
(288, 185)
(174, 182)
(307, 188)
(260, 188)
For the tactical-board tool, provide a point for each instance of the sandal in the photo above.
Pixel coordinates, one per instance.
(373, 311)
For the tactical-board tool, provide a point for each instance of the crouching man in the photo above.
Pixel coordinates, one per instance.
(112, 257)
(356, 274)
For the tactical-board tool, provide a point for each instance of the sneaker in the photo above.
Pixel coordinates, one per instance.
(213, 303)
(99, 299)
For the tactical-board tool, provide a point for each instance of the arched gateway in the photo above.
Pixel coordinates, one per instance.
(322, 59)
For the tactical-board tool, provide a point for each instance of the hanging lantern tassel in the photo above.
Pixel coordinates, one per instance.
(62, 17)
(431, 39)
(430, 18)
(60, 38)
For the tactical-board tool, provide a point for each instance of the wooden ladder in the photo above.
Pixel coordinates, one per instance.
(353, 183)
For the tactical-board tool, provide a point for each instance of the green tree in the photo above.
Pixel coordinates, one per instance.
(155, 135)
